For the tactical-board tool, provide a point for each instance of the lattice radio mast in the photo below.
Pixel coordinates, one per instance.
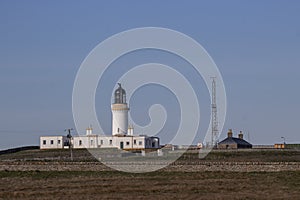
(214, 114)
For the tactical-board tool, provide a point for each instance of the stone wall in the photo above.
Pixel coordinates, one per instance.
(176, 166)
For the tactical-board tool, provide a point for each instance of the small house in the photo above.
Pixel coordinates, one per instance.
(234, 143)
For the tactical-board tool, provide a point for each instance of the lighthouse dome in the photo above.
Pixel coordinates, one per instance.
(120, 95)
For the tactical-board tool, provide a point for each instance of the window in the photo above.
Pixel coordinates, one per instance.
(127, 143)
(134, 142)
(92, 142)
(51, 142)
(101, 142)
(44, 142)
(80, 142)
(58, 141)
(110, 142)
(140, 143)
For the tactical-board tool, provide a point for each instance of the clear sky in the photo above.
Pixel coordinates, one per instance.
(255, 44)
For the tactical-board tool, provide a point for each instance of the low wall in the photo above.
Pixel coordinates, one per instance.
(177, 166)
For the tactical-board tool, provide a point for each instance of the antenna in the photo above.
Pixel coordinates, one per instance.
(214, 114)
(69, 136)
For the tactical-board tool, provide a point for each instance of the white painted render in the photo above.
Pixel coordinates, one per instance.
(97, 141)
(119, 118)
(53, 142)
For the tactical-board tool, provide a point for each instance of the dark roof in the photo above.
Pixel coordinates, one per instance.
(233, 140)
(120, 90)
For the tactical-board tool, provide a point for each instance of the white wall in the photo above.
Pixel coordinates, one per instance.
(87, 141)
(97, 141)
(119, 119)
(52, 142)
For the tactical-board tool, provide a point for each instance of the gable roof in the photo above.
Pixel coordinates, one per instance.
(233, 140)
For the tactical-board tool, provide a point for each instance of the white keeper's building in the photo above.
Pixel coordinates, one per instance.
(122, 137)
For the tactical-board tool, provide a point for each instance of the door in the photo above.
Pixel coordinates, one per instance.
(121, 145)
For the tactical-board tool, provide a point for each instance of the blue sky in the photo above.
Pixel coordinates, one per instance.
(255, 44)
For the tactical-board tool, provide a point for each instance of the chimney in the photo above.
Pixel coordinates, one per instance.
(89, 131)
(130, 130)
(229, 133)
(241, 135)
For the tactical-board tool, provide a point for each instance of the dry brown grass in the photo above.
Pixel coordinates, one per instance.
(162, 185)
(156, 185)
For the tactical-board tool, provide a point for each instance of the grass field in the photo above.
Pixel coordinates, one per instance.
(272, 155)
(156, 185)
(170, 184)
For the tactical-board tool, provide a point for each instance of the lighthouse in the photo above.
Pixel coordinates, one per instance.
(119, 109)
(123, 136)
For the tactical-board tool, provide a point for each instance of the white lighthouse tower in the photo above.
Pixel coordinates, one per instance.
(119, 110)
